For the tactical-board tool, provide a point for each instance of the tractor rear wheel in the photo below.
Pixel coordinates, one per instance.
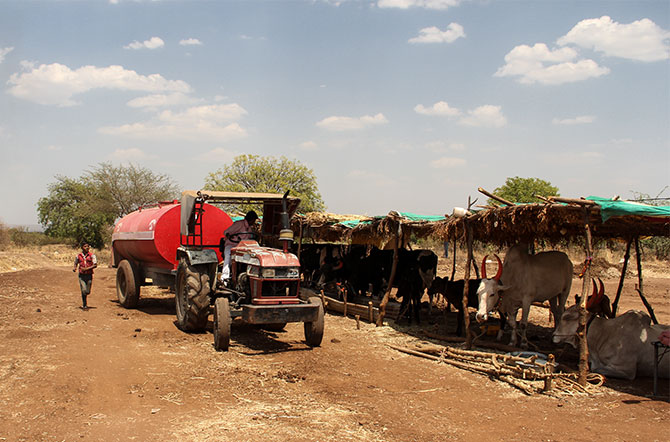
(314, 330)
(222, 322)
(127, 287)
(192, 296)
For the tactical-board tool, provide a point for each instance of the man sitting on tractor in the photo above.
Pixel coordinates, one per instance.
(238, 231)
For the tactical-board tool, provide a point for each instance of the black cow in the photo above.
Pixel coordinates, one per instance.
(368, 270)
(415, 272)
(453, 294)
(320, 263)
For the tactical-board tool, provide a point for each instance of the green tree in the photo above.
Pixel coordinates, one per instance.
(85, 208)
(254, 173)
(130, 187)
(74, 210)
(523, 190)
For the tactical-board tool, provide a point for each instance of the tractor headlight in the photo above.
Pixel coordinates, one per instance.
(293, 272)
(268, 273)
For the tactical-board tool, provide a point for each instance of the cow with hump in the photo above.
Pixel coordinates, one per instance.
(522, 280)
(619, 347)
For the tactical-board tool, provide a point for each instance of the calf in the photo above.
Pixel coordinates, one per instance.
(453, 294)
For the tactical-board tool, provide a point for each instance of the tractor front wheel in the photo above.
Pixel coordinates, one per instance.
(222, 322)
(192, 296)
(314, 329)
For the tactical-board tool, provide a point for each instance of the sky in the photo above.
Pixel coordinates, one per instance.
(406, 105)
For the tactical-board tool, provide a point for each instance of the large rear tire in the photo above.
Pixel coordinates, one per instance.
(192, 296)
(222, 322)
(314, 330)
(127, 287)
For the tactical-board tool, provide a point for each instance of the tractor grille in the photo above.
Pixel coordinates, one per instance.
(287, 289)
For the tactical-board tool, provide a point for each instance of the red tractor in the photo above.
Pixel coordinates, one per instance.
(264, 286)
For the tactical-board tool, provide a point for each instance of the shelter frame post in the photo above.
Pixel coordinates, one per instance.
(639, 281)
(453, 263)
(466, 285)
(581, 330)
(624, 268)
(394, 266)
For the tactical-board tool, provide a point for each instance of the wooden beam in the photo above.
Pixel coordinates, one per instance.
(466, 286)
(394, 267)
(495, 197)
(581, 329)
(639, 280)
(581, 202)
(626, 257)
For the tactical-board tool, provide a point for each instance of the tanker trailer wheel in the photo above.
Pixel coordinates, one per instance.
(192, 296)
(314, 330)
(127, 288)
(222, 322)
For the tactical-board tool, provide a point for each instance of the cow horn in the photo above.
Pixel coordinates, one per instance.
(500, 268)
(484, 266)
(601, 292)
(593, 300)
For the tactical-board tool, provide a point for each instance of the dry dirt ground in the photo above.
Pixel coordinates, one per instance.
(115, 374)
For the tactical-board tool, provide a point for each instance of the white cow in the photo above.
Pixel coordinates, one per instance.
(525, 279)
(620, 347)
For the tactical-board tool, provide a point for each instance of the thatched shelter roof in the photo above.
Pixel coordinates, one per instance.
(501, 226)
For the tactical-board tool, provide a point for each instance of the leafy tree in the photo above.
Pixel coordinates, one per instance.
(254, 173)
(85, 208)
(130, 187)
(522, 190)
(73, 210)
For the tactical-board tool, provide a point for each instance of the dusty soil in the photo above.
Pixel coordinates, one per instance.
(115, 374)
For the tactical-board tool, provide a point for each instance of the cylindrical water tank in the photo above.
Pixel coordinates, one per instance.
(149, 237)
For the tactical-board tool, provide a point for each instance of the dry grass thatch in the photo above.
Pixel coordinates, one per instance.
(496, 225)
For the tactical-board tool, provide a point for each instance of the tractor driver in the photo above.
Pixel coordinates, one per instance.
(238, 231)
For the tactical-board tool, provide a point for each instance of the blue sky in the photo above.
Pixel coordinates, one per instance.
(405, 105)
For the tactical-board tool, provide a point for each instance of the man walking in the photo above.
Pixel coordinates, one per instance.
(86, 261)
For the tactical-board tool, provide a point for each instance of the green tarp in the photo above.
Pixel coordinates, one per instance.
(610, 208)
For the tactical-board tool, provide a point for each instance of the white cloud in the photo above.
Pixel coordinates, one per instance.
(162, 100)
(130, 154)
(190, 42)
(336, 123)
(427, 4)
(308, 145)
(447, 163)
(212, 122)
(56, 84)
(485, 116)
(152, 43)
(582, 119)
(539, 64)
(218, 155)
(434, 35)
(641, 40)
(373, 178)
(440, 109)
(4, 52)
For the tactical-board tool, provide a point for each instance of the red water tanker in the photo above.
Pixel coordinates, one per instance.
(149, 237)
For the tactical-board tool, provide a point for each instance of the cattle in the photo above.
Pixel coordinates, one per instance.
(415, 272)
(524, 279)
(320, 263)
(619, 347)
(453, 294)
(598, 302)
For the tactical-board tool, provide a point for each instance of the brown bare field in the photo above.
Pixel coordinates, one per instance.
(115, 374)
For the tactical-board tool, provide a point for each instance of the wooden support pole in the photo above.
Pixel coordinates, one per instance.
(495, 197)
(370, 312)
(344, 296)
(581, 329)
(453, 264)
(394, 266)
(549, 367)
(466, 285)
(638, 288)
(624, 268)
(358, 321)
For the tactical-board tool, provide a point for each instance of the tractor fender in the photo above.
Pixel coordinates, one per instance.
(196, 257)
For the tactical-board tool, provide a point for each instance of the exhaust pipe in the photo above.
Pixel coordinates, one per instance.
(285, 234)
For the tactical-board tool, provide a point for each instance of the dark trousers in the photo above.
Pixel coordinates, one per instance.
(85, 282)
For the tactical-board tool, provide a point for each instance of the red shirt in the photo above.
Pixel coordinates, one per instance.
(86, 261)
